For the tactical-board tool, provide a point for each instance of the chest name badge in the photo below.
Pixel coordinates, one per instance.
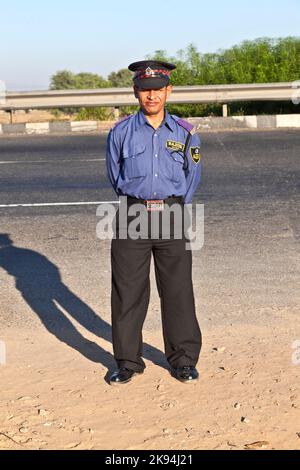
(175, 146)
(195, 154)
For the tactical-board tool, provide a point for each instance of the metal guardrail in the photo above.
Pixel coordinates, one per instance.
(116, 97)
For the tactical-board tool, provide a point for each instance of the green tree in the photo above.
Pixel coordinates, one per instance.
(122, 78)
(62, 80)
(90, 81)
(66, 80)
(264, 60)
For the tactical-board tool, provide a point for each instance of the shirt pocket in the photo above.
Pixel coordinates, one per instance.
(173, 167)
(134, 161)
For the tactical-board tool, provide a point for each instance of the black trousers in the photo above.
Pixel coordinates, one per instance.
(130, 264)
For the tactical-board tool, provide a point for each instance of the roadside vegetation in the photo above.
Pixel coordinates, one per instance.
(263, 60)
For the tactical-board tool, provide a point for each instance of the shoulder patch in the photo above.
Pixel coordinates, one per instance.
(195, 154)
(186, 125)
(123, 119)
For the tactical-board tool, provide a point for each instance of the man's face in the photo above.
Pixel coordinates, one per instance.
(152, 102)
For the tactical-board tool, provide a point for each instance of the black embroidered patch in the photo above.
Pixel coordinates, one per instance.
(195, 154)
(175, 146)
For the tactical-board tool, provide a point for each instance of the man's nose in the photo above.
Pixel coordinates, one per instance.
(151, 94)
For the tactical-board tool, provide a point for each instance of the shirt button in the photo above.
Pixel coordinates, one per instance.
(155, 135)
(156, 155)
(154, 194)
(155, 175)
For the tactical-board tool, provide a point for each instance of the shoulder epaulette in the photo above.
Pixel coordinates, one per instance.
(185, 124)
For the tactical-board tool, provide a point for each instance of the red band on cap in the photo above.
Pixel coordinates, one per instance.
(153, 73)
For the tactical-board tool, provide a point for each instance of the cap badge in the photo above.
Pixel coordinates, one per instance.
(149, 71)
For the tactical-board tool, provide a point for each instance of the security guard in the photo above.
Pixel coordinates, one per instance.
(153, 158)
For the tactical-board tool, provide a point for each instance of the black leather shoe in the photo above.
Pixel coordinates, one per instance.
(186, 374)
(122, 376)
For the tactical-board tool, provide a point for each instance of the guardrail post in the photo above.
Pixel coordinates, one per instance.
(116, 113)
(225, 110)
(11, 116)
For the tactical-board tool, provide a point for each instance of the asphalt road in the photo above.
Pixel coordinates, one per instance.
(248, 166)
(249, 266)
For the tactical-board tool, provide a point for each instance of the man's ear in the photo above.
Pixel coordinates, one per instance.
(136, 90)
(169, 90)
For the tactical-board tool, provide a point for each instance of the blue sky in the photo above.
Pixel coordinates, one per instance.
(42, 37)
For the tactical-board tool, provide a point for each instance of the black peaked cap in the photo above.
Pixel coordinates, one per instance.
(151, 74)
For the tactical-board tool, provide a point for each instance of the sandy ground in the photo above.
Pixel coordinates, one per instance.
(54, 389)
(21, 117)
(32, 116)
(55, 315)
(247, 396)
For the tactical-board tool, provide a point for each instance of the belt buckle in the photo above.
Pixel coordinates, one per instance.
(155, 205)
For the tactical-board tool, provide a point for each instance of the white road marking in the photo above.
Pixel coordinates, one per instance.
(13, 162)
(45, 204)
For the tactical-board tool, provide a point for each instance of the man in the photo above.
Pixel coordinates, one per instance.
(153, 158)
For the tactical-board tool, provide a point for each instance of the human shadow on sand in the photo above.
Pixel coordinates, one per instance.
(40, 284)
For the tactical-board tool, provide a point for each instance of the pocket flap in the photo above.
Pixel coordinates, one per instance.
(178, 157)
(138, 149)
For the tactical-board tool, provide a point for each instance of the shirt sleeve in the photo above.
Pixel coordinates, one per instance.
(193, 173)
(113, 159)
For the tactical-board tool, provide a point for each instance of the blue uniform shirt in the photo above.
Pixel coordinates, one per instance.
(147, 163)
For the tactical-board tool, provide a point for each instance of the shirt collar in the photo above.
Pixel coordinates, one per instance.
(141, 120)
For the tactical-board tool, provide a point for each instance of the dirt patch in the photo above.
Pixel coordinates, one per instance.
(247, 396)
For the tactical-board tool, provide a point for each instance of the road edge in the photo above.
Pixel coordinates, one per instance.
(281, 121)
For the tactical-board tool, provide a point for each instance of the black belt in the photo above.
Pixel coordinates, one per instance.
(168, 201)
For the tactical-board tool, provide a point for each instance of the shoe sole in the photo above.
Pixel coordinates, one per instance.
(191, 381)
(126, 381)
(120, 383)
(182, 380)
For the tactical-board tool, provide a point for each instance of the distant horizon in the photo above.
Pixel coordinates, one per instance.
(42, 38)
